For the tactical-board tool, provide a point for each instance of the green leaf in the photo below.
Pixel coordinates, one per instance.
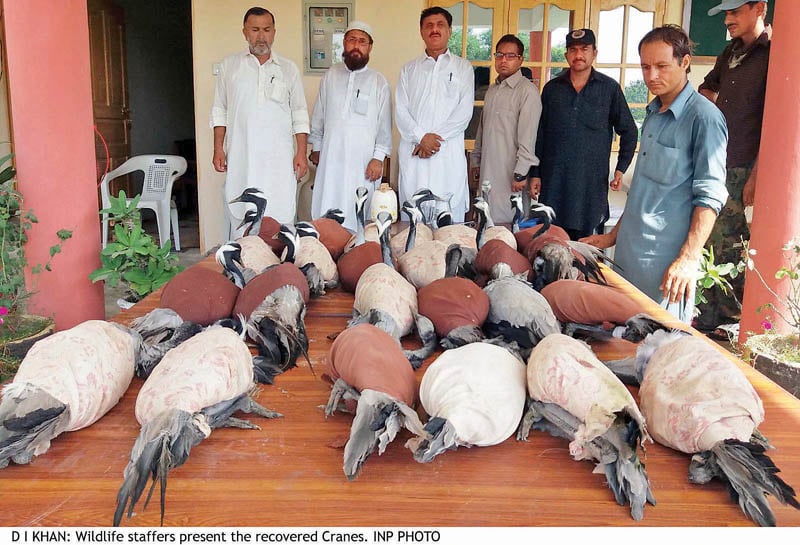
(7, 173)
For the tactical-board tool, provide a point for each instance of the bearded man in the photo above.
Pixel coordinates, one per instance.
(260, 123)
(351, 128)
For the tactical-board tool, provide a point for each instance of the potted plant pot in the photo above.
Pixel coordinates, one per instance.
(778, 357)
(19, 334)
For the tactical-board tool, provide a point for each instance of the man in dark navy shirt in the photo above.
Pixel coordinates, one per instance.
(581, 110)
(737, 85)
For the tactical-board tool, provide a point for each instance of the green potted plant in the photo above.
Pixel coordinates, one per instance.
(778, 354)
(18, 330)
(133, 257)
(714, 275)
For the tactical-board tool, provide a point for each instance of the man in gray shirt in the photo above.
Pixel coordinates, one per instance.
(506, 135)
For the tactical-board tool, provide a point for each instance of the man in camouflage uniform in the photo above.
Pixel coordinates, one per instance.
(737, 85)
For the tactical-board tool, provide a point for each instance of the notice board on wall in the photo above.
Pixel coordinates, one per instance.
(709, 33)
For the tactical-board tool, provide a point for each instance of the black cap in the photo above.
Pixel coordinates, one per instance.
(583, 36)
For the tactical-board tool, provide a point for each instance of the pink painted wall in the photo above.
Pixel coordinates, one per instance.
(47, 48)
(776, 213)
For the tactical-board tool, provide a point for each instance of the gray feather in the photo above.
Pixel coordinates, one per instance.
(461, 336)
(441, 437)
(29, 419)
(378, 419)
(750, 475)
(614, 451)
(427, 334)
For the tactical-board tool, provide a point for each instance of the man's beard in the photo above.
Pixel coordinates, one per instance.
(260, 49)
(354, 60)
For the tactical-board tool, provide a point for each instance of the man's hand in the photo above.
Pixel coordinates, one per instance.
(475, 173)
(516, 186)
(603, 241)
(314, 158)
(300, 164)
(749, 190)
(536, 188)
(709, 94)
(679, 279)
(428, 146)
(219, 161)
(616, 181)
(374, 170)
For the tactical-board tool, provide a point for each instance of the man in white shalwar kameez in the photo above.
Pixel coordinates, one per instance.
(258, 116)
(433, 107)
(351, 128)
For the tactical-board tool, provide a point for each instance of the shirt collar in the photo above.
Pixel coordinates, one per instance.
(678, 105)
(762, 41)
(513, 80)
(273, 58)
(425, 55)
(359, 71)
(564, 75)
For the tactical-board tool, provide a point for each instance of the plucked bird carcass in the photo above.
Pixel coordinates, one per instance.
(67, 382)
(474, 396)
(368, 365)
(385, 299)
(196, 388)
(698, 401)
(518, 313)
(574, 396)
(598, 311)
(456, 306)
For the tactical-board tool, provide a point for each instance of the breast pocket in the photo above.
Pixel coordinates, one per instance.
(593, 118)
(361, 104)
(451, 85)
(664, 165)
(279, 92)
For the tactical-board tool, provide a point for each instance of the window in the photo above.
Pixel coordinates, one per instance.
(542, 25)
(620, 26)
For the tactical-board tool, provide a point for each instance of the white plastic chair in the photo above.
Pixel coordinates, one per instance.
(160, 172)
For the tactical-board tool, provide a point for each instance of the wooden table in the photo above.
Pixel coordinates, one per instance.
(289, 473)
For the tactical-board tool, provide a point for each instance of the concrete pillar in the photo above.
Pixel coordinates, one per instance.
(776, 213)
(50, 90)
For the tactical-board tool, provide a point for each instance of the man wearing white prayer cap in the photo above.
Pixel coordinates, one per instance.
(351, 127)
